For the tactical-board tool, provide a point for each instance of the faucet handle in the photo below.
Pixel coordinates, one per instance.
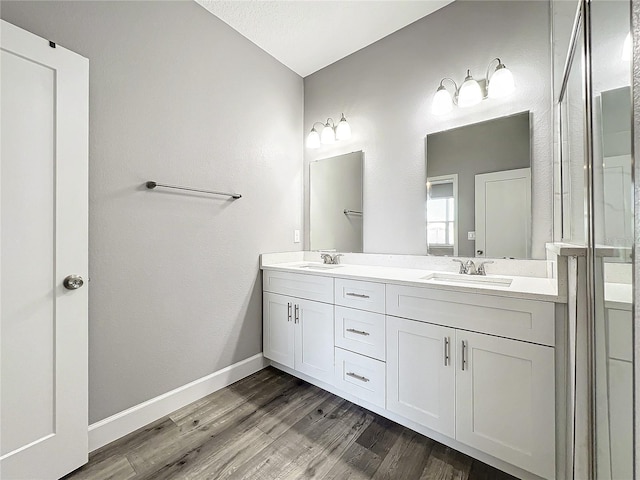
(481, 270)
(326, 258)
(463, 267)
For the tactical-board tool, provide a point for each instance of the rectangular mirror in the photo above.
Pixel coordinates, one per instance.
(471, 172)
(335, 203)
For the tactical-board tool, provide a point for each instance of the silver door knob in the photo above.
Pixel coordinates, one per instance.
(73, 282)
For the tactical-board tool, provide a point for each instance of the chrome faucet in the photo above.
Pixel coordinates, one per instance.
(331, 259)
(469, 268)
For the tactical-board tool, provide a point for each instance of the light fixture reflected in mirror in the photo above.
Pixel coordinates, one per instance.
(329, 133)
(499, 84)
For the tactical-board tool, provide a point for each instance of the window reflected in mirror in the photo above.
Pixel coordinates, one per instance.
(441, 215)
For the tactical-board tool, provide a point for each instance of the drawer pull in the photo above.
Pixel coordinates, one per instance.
(357, 377)
(297, 314)
(359, 295)
(359, 332)
(288, 311)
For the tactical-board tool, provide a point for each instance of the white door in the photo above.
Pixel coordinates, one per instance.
(505, 400)
(314, 339)
(421, 373)
(44, 205)
(277, 329)
(503, 214)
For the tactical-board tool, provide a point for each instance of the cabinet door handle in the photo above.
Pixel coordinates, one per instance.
(446, 351)
(359, 295)
(357, 377)
(464, 354)
(288, 311)
(297, 314)
(359, 332)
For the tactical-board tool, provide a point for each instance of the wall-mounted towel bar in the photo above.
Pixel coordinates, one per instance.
(352, 212)
(151, 185)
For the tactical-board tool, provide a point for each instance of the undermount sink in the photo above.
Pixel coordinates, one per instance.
(468, 279)
(319, 266)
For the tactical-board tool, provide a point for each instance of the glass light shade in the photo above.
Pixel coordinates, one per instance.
(328, 135)
(442, 102)
(626, 48)
(501, 83)
(343, 130)
(470, 92)
(313, 139)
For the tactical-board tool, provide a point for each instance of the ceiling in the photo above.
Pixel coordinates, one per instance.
(307, 35)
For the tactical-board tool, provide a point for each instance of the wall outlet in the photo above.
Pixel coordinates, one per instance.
(296, 236)
(471, 235)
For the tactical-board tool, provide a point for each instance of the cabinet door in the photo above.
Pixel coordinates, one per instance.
(421, 373)
(277, 329)
(314, 339)
(505, 400)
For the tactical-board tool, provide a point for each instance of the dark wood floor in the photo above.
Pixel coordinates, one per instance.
(274, 426)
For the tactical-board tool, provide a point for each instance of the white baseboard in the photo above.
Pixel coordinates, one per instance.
(118, 425)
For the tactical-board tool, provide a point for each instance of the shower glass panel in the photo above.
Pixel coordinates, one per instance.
(572, 114)
(613, 230)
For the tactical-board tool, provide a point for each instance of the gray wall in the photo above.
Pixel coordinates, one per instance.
(176, 96)
(497, 145)
(385, 91)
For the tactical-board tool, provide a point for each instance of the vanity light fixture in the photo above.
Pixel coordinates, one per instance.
(499, 84)
(470, 93)
(330, 132)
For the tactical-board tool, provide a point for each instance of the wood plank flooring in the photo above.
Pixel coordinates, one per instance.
(274, 426)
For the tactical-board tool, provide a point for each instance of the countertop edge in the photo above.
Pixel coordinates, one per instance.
(451, 288)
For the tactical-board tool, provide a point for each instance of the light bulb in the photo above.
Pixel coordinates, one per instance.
(343, 130)
(328, 135)
(626, 48)
(470, 92)
(313, 139)
(501, 82)
(442, 102)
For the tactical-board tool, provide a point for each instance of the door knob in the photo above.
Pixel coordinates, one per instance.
(73, 282)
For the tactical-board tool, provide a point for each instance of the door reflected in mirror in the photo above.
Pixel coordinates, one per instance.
(335, 203)
(479, 189)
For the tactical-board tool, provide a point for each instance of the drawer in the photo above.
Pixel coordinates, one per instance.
(361, 295)
(528, 320)
(300, 285)
(360, 376)
(360, 332)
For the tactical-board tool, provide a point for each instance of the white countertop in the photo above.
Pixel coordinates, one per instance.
(533, 288)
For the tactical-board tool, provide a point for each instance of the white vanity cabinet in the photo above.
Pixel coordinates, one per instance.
(360, 339)
(475, 370)
(505, 400)
(298, 332)
(494, 394)
(421, 373)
